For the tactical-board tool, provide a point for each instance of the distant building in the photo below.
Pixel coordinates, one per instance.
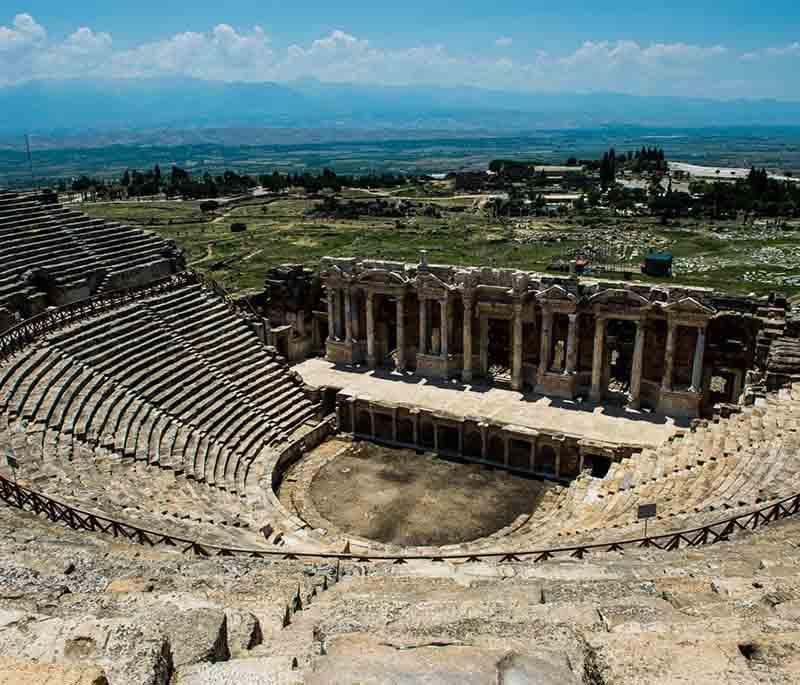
(658, 264)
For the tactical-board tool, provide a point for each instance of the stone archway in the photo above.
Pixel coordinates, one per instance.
(497, 450)
(473, 444)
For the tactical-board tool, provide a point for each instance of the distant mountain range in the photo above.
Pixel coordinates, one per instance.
(102, 107)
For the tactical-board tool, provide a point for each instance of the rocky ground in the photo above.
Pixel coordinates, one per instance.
(81, 609)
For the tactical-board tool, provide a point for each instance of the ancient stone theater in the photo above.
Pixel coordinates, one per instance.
(385, 472)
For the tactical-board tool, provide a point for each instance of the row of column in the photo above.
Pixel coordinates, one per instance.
(637, 366)
(340, 309)
(483, 428)
(697, 361)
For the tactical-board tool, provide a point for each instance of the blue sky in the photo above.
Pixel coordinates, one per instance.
(727, 49)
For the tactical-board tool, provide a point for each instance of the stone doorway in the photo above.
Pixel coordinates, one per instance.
(620, 343)
(499, 349)
(386, 331)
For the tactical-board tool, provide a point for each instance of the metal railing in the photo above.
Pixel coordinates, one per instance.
(19, 497)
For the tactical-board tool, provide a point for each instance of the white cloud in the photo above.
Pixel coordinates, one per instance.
(791, 50)
(23, 32)
(235, 54)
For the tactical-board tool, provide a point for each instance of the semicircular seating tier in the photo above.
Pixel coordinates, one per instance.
(52, 255)
(168, 408)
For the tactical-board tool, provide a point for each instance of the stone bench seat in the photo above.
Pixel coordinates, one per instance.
(148, 383)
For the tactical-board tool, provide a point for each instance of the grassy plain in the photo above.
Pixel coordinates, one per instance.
(726, 256)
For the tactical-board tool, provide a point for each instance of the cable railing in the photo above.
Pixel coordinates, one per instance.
(20, 497)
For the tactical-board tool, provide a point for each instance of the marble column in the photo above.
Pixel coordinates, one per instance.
(371, 360)
(516, 348)
(669, 356)
(598, 359)
(423, 327)
(401, 332)
(484, 345)
(697, 364)
(571, 366)
(546, 343)
(355, 307)
(444, 326)
(348, 316)
(637, 367)
(466, 374)
(331, 313)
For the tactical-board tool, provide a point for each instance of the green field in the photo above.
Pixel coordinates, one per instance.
(725, 256)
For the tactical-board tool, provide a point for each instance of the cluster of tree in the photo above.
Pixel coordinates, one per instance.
(181, 183)
(648, 159)
(608, 169)
(328, 180)
(756, 195)
(333, 207)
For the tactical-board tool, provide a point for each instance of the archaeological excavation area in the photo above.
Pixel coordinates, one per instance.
(382, 472)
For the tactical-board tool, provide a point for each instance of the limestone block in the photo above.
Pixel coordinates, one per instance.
(195, 635)
(360, 658)
(244, 631)
(16, 671)
(128, 651)
(259, 671)
(666, 659)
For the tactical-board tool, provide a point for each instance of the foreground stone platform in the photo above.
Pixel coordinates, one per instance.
(597, 422)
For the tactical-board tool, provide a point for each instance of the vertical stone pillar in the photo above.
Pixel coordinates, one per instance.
(414, 414)
(598, 360)
(355, 306)
(558, 461)
(371, 360)
(546, 343)
(532, 457)
(423, 327)
(697, 364)
(461, 438)
(571, 366)
(401, 332)
(506, 441)
(466, 373)
(394, 424)
(435, 436)
(637, 366)
(444, 326)
(516, 348)
(484, 428)
(331, 313)
(484, 345)
(348, 316)
(669, 356)
(371, 421)
(353, 408)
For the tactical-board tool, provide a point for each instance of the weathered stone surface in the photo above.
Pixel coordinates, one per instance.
(259, 671)
(684, 659)
(128, 652)
(359, 658)
(244, 631)
(19, 672)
